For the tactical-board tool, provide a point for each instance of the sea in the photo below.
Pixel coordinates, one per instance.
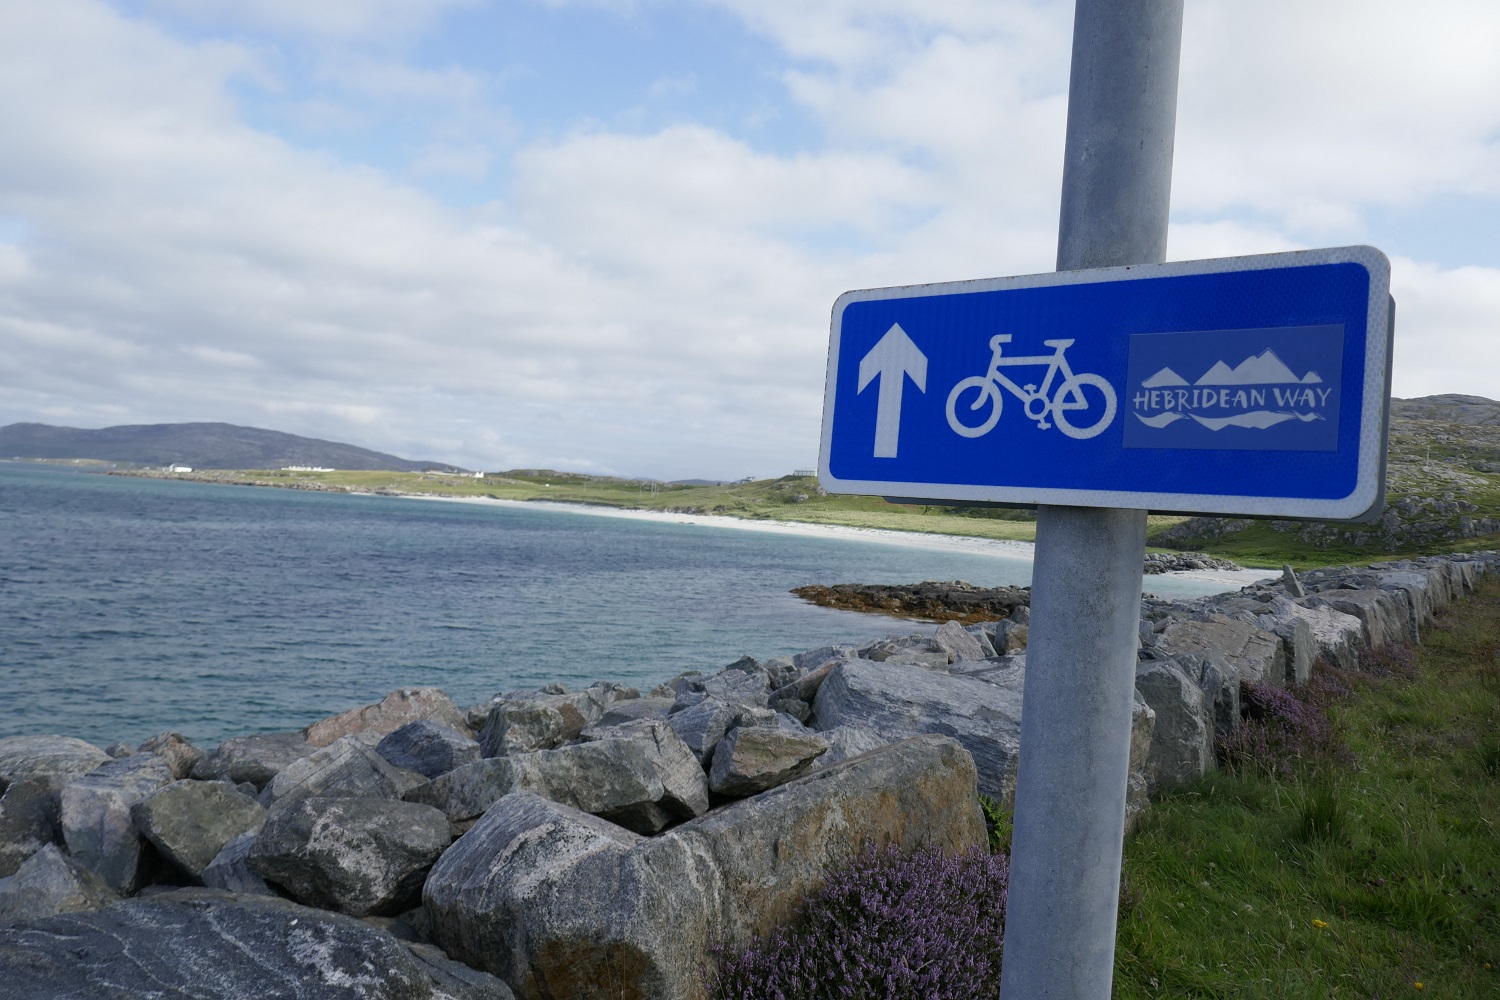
(131, 607)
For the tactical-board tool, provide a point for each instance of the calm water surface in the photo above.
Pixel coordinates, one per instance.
(133, 606)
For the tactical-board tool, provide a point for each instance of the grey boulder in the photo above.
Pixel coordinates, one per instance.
(357, 856)
(702, 726)
(256, 758)
(210, 945)
(95, 815)
(174, 748)
(953, 639)
(848, 741)
(898, 702)
(60, 757)
(1257, 656)
(49, 883)
(346, 767)
(634, 710)
(189, 822)
(230, 869)
(389, 714)
(524, 726)
(506, 897)
(428, 748)
(1383, 616)
(752, 759)
(1182, 743)
(28, 820)
(640, 775)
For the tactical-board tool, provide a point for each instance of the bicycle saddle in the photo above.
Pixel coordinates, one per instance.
(998, 339)
(1064, 344)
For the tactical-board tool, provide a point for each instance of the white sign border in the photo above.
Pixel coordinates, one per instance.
(1363, 501)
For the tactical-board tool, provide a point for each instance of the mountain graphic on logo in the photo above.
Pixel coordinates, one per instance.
(1264, 368)
(1164, 377)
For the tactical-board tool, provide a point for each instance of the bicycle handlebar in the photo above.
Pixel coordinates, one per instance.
(998, 339)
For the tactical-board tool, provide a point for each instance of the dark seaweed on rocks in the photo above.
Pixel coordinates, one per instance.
(932, 600)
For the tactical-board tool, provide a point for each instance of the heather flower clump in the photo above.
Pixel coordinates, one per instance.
(1283, 730)
(888, 926)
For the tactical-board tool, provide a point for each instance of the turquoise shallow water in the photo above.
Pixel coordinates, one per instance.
(133, 606)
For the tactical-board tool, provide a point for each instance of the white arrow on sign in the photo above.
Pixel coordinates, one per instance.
(894, 358)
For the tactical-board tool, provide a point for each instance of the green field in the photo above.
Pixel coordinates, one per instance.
(797, 498)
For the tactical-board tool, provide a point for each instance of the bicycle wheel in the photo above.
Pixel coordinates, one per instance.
(1098, 404)
(987, 390)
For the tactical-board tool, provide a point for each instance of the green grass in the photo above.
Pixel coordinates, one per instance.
(776, 499)
(1353, 882)
(1262, 545)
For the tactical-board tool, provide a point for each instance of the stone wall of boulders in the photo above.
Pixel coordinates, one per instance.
(553, 844)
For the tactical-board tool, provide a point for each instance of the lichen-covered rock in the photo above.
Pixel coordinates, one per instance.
(428, 748)
(189, 822)
(506, 896)
(49, 883)
(95, 814)
(357, 856)
(255, 759)
(752, 759)
(210, 945)
(389, 714)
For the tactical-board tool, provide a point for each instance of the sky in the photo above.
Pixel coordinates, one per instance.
(605, 236)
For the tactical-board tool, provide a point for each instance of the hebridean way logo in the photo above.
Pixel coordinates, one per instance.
(1259, 392)
(1273, 389)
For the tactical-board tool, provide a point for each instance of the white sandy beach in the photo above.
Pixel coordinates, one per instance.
(1182, 583)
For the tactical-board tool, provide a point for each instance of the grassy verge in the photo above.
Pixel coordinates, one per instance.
(1341, 881)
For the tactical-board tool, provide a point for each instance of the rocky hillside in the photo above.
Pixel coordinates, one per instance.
(201, 446)
(1442, 487)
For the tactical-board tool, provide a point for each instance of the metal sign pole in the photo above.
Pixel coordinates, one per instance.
(1080, 664)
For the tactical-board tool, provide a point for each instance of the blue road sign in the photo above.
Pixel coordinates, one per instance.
(1247, 385)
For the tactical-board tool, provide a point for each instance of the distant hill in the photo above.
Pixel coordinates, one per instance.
(1450, 407)
(202, 446)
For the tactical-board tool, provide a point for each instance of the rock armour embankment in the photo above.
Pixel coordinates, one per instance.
(554, 844)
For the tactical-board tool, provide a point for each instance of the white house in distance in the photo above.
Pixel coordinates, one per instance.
(305, 468)
(179, 468)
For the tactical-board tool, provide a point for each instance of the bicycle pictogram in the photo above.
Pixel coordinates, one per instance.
(1083, 395)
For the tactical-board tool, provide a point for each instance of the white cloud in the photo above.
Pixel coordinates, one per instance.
(1310, 113)
(1447, 329)
(658, 301)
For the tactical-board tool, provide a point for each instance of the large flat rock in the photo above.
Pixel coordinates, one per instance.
(207, 945)
(898, 701)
